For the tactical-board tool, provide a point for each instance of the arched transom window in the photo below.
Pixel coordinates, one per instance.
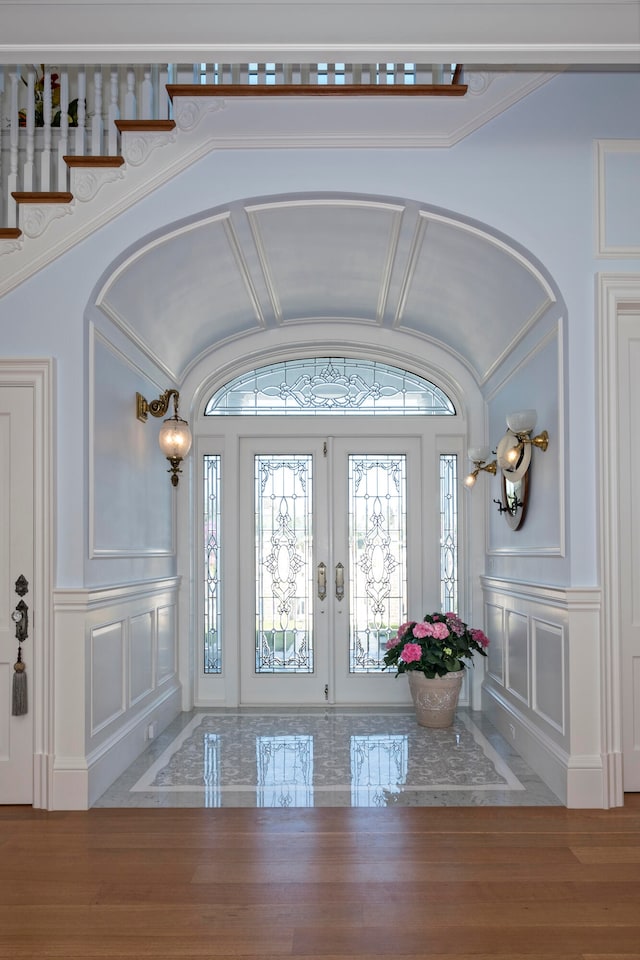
(329, 385)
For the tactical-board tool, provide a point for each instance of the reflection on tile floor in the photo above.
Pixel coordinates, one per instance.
(326, 757)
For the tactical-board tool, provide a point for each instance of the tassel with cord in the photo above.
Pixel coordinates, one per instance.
(19, 699)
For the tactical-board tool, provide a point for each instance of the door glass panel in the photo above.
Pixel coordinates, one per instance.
(378, 550)
(284, 564)
(212, 650)
(449, 532)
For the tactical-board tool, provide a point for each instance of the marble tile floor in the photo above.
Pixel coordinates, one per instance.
(300, 757)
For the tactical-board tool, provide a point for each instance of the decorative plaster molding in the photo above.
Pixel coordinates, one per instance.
(136, 147)
(8, 246)
(85, 184)
(34, 219)
(188, 113)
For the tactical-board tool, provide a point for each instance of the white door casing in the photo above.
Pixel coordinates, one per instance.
(618, 295)
(16, 561)
(25, 518)
(629, 565)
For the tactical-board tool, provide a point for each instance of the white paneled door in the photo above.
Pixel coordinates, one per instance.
(16, 593)
(629, 560)
(330, 565)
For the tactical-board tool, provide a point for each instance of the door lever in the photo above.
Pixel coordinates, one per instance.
(322, 581)
(339, 581)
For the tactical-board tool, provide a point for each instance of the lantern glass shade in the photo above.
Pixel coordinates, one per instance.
(175, 438)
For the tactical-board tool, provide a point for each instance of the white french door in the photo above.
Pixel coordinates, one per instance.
(332, 530)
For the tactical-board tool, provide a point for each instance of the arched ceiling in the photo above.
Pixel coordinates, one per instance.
(298, 260)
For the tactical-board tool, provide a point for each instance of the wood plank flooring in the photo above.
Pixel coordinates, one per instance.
(334, 883)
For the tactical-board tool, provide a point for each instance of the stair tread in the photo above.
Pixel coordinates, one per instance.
(81, 160)
(42, 196)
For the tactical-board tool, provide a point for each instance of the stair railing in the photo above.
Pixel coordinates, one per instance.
(49, 112)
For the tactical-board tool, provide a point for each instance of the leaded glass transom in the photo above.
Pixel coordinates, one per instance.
(329, 385)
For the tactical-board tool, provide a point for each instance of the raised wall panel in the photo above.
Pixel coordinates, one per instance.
(107, 674)
(166, 642)
(517, 655)
(140, 656)
(618, 191)
(494, 617)
(547, 651)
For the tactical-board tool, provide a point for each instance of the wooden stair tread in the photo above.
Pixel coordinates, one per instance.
(314, 90)
(10, 233)
(79, 160)
(143, 126)
(36, 196)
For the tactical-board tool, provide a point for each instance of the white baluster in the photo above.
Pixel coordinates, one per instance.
(147, 96)
(45, 156)
(81, 132)
(236, 71)
(130, 105)
(305, 73)
(97, 125)
(12, 184)
(28, 172)
(113, 115)
(63, 142)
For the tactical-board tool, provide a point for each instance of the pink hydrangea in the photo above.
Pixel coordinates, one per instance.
(411, 652)
(439, 631)
(455, 624)
(480, 637)
(392, 642)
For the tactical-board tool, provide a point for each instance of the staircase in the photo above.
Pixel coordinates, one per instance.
(73, 140)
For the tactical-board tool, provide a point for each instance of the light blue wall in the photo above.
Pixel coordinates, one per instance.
(528, 173)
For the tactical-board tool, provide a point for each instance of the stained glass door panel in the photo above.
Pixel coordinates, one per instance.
(333, 563)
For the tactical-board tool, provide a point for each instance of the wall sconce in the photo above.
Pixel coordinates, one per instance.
(513, 457)
(175, 436)
(514, 450)
(479, 457)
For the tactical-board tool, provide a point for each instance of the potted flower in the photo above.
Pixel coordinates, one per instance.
(433, 653)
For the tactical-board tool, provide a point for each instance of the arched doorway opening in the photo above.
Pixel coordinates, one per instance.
(331, 514)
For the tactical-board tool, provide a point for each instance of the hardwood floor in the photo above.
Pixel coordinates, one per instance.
(321, 884)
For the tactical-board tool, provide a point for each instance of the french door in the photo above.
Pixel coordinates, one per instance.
(327, 543)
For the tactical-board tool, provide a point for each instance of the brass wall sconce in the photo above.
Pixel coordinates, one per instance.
(479, 457)
(513, 459)
(175, 436)
(514, 450)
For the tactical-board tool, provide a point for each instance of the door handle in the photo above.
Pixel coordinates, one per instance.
(339, 581)
(322, 581)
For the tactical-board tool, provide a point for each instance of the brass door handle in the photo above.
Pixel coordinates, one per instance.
(339, 581)
(322, 581)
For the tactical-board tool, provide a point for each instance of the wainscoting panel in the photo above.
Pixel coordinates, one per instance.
(541, 687)
(549, 660)
(141, 649)
(123, 641)
(494, 618)
(167, 650)
(517, 655)
(107, 673)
